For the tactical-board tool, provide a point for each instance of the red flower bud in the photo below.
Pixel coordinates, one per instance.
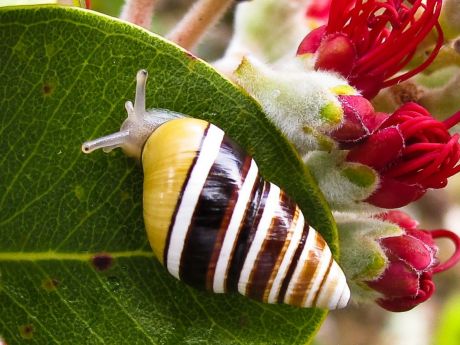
(412, 261)
(360, 120)
(412, 152)
(368, 42)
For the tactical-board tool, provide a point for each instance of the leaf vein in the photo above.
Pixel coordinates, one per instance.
(32, 317)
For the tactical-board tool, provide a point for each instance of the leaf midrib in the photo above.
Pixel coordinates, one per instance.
(69, 256)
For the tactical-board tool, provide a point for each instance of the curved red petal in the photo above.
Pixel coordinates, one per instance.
(381, 148)
(312, 41)
(411, 250)
(401, 304)
(394, 194)
(369, 85)
(455, 258)
(336, 53)
(398, 280)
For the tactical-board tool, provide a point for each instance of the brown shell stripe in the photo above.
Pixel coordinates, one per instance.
(324, 262)
(271, 247)
(224, 225)
(332, 289)
(282, 271)
(304, 282)
(293, 265)
(216, 202)
(315, 299)
(281, 254)
(246, 235)
(238, 247)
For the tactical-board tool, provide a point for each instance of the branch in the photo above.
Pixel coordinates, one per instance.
(203, 15)
(138, 12)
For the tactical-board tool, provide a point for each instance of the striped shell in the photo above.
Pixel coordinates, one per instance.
(214, 222)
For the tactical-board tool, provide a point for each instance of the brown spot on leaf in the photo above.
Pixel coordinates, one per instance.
(47, 89)
(50, 284)
(27, 331)
(102, 261)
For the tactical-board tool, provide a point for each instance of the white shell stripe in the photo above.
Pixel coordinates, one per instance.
(326, 257)
(208, 154)
(261, 232)
(332, 289)
(345, 297)
(309, 245)
(232, 231)
(295, 238)
(342, 290)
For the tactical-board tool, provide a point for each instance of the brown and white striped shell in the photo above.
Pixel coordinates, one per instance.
(215, 223)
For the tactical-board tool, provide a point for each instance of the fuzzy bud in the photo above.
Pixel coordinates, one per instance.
(403, 262)
(304, 106)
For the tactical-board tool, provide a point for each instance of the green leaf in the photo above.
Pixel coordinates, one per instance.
(75, 264)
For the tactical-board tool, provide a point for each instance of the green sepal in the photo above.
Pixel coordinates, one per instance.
(363, 259)
(344, 184)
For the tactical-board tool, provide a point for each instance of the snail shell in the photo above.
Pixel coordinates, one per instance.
(215, 223)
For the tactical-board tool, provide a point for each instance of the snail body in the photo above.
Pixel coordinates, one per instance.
(214, 222)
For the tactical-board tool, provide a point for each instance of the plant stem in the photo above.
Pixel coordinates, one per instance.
(202, 15)
(138, 12)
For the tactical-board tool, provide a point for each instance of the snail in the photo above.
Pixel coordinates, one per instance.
(213, 221)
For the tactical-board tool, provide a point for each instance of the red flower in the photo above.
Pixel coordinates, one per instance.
(412, 152)
(368, 42)
(407, 280)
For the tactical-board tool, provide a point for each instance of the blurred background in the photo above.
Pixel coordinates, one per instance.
(168, 13)
(436, 321)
